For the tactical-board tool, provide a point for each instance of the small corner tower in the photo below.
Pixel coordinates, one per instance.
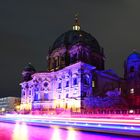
(27, 72)
(132, 77)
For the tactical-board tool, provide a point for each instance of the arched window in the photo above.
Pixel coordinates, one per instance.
(93, 84)
(132, 69)
(29, 92)
(75, 82)
(67, 83)
(27, 86)
(53, 63)
(36, 97)
(59, 85)
(86, 79)
(46, 97)
(57, 61)
(23, 93)
(83, 94)
(67, 95)
(59, 97)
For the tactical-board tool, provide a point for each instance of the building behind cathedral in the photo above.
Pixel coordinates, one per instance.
(76, 79)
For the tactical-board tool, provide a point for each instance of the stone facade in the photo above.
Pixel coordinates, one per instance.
(65, 88)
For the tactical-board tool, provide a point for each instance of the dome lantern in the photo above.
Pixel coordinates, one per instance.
(76, 25)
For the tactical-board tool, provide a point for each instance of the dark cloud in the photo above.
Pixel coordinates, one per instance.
(28, 28)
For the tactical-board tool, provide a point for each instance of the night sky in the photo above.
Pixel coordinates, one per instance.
(29, 27)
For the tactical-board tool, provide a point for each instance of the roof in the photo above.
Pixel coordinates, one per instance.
(73, 37)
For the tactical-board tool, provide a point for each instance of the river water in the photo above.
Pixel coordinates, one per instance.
(24, 132)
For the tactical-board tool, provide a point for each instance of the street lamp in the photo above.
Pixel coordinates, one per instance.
(3, 110)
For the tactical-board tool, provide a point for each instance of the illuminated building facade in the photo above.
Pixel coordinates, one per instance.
(75, 79)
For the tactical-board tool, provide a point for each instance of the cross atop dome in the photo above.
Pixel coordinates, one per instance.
(76, 25)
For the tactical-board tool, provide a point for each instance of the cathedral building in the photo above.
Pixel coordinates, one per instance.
(76, 79)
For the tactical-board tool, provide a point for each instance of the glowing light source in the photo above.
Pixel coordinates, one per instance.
(76, 25)
(131, 111)
(18, 107)
(3, 109)
(93, 83)
(132, 90)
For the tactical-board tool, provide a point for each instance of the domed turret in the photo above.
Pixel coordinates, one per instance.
(132, 66)
(132, 77)
(27, 72)
(133, 56)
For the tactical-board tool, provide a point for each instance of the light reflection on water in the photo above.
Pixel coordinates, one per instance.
(56, 133)
(21, 131)
(71, 134)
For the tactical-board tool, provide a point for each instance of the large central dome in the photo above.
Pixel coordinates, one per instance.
(73, 37)
(73, 46)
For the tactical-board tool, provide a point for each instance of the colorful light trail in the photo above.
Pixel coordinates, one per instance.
(116, 126)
